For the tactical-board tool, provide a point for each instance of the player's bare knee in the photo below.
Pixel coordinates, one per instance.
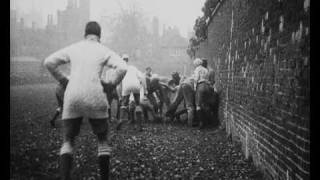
(138, 109)
(190, 108)
(123, 107)
(59, 110)
(66, 148)
(70, 135)
(102, 136)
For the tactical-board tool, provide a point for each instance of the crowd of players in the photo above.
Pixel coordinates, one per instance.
(87, 92)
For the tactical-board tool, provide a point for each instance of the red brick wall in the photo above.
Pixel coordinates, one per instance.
(262, 74)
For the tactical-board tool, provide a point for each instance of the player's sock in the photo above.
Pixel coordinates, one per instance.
(138, 111)
(104, 151)
(65, 166)
(66, 152)
(124, 116)
(53, 120)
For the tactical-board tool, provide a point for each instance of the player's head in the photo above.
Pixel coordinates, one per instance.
(92, 28)
(148, 70)
(197, 62)
(125, 57)
(204, 62)
(175, 77)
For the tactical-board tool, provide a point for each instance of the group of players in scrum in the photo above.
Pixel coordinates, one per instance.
(141, 93)
(85, 93)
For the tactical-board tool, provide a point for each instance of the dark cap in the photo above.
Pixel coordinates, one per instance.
(204, 62)
(94, 28)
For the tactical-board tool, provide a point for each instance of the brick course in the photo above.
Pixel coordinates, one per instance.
(262, 67)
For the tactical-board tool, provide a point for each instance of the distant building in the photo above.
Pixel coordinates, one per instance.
(173, 49)
(32, 41)
(72, 20)
(190, 34)
(29, 45)
(155, 27)
(31, 18)
(173, 43)
(13, 19)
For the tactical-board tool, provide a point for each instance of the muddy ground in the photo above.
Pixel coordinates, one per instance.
(160, 151)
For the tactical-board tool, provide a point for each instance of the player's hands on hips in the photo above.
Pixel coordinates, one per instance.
(107, 87)
(64, 82)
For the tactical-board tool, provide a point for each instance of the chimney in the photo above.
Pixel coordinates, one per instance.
(48, 20)
(70, 4)
(51, 19)
(22, 22)
(33, 25)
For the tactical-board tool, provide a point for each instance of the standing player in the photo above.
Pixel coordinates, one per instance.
(84, 96)
(60, 89)
(202, 87)
(133, 82)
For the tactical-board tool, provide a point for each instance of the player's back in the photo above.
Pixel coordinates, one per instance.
(84, 90)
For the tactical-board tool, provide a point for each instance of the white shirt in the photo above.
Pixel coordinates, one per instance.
(201, 74)
(133, 81)
(84, 96)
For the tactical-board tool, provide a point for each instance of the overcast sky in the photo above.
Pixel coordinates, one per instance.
(180, 13)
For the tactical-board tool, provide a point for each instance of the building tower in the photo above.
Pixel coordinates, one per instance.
(84, 8)
(155, 27)
(71, 4)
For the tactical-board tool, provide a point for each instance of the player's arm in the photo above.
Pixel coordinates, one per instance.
(52, 63)
(170, 86)
(142, 80)
(114, 61)
(196, 78)
(119, 90)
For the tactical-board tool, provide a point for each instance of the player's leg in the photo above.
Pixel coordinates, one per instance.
(213, 101)
(109, 112)
(100, 129)
(160, 107)
(176, 101)
(145, 112)
(57, 113)
(189, 97)
(199, 113)
(208, 101)
(201, 104)
(118, 108)
(166, 96)
(152, 99)
(109, 98)
(59, 97)
(132, 107)
(138, 110)
(124, 111)
(71, 129)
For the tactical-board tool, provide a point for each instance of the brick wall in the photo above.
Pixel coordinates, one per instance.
(260, 52)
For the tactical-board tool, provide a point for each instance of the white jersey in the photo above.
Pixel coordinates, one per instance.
(133, 81)
(84, 96)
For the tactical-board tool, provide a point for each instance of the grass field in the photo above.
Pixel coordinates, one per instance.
(160, 151)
